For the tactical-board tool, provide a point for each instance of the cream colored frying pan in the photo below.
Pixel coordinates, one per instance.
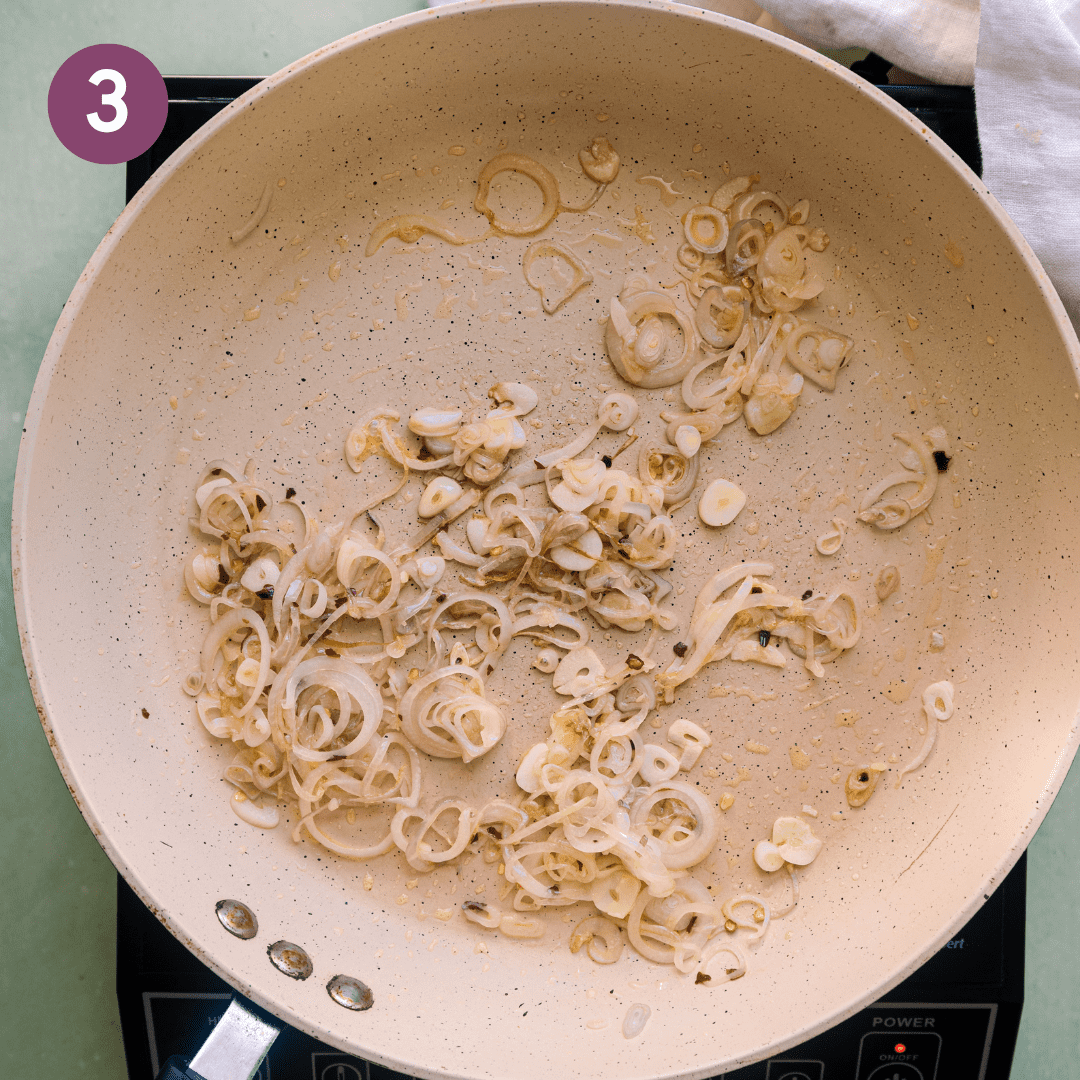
(232, 313)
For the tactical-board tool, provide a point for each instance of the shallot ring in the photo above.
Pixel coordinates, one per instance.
(542, 177)
(551, 248)
(713, 244)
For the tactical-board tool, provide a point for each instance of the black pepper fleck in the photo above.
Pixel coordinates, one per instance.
(941, 460)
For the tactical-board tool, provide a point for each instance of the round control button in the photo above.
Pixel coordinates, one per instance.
(898, 1070)
(341, 1070)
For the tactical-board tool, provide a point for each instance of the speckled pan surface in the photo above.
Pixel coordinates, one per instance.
(180, 346)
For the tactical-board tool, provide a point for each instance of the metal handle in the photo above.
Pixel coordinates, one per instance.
(234, 1050)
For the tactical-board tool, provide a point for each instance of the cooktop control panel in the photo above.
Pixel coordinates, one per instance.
(909, 1041)
(886, 1042)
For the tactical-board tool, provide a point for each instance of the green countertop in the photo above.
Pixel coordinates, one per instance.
(58, 1013)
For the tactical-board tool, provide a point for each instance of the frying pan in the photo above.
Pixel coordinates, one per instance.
(180, 345)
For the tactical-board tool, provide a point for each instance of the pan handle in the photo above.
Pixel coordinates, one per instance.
(234, 1050)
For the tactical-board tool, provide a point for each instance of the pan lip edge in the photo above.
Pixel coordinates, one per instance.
(74, 306)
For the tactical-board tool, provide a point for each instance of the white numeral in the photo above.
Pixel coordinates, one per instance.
(115, 98)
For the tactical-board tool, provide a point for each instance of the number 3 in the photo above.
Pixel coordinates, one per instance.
(115, 98)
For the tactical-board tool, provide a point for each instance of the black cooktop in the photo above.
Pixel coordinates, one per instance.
(954, 1019)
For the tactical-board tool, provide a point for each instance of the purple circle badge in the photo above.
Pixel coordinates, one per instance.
(108, 103)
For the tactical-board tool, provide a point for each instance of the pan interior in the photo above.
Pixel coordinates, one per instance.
(185, 346)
